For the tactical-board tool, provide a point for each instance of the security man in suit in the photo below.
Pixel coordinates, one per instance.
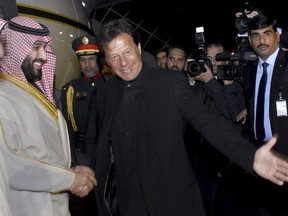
(76, 96)
(259, 197)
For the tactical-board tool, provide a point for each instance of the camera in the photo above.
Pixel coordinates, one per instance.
(241, 56)
(228, 72)
(241, 22)
(195, 67)
(233, 70)
(237, 60)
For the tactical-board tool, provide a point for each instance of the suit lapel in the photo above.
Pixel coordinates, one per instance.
(279, 83)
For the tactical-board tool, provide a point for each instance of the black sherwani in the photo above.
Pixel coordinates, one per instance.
(165, 175)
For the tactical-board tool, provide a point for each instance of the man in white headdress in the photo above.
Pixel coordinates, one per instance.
(34, 141)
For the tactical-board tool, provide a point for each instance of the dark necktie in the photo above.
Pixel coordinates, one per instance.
(260, 132)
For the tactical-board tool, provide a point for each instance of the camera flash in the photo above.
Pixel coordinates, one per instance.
(199, 29)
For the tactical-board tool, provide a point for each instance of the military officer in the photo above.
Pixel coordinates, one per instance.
(76, 96)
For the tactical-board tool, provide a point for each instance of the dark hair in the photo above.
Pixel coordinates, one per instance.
(159, 50)
(215, 42)
(177, 46)
(261, 21)
(113, 28)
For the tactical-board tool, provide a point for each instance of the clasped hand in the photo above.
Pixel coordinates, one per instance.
(84, 181)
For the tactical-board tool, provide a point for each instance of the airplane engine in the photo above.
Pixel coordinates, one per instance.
(66, 20)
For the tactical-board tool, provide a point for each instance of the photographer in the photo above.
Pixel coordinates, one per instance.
(221, 97)
(222, 91)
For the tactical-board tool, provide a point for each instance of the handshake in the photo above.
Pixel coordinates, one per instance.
(84, 181)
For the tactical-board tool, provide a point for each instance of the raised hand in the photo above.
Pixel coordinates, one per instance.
(271, 165)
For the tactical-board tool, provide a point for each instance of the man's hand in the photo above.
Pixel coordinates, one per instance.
(228, 82)
(205, 76)
(249, 15)
(242, 116)
(84, 181)
(271, 165)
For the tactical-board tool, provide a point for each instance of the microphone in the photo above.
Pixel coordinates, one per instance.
(222, 56)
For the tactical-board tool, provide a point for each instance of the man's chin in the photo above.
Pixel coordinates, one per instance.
(38, 75)
(92, 74)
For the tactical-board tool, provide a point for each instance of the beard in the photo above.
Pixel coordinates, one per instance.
(31, 73)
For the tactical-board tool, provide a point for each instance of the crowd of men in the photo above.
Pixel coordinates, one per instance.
(141, 140)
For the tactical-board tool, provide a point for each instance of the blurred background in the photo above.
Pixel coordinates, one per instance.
(160, 23)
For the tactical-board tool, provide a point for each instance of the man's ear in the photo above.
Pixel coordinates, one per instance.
(139, 48)
(107, 62)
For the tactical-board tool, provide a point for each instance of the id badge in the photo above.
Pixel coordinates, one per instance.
(281, 107)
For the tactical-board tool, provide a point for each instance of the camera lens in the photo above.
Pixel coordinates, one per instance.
(226, 72)
(194, 68)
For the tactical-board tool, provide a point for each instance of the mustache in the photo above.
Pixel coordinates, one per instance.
(174, 68)
(39, 60)
(262, 45)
